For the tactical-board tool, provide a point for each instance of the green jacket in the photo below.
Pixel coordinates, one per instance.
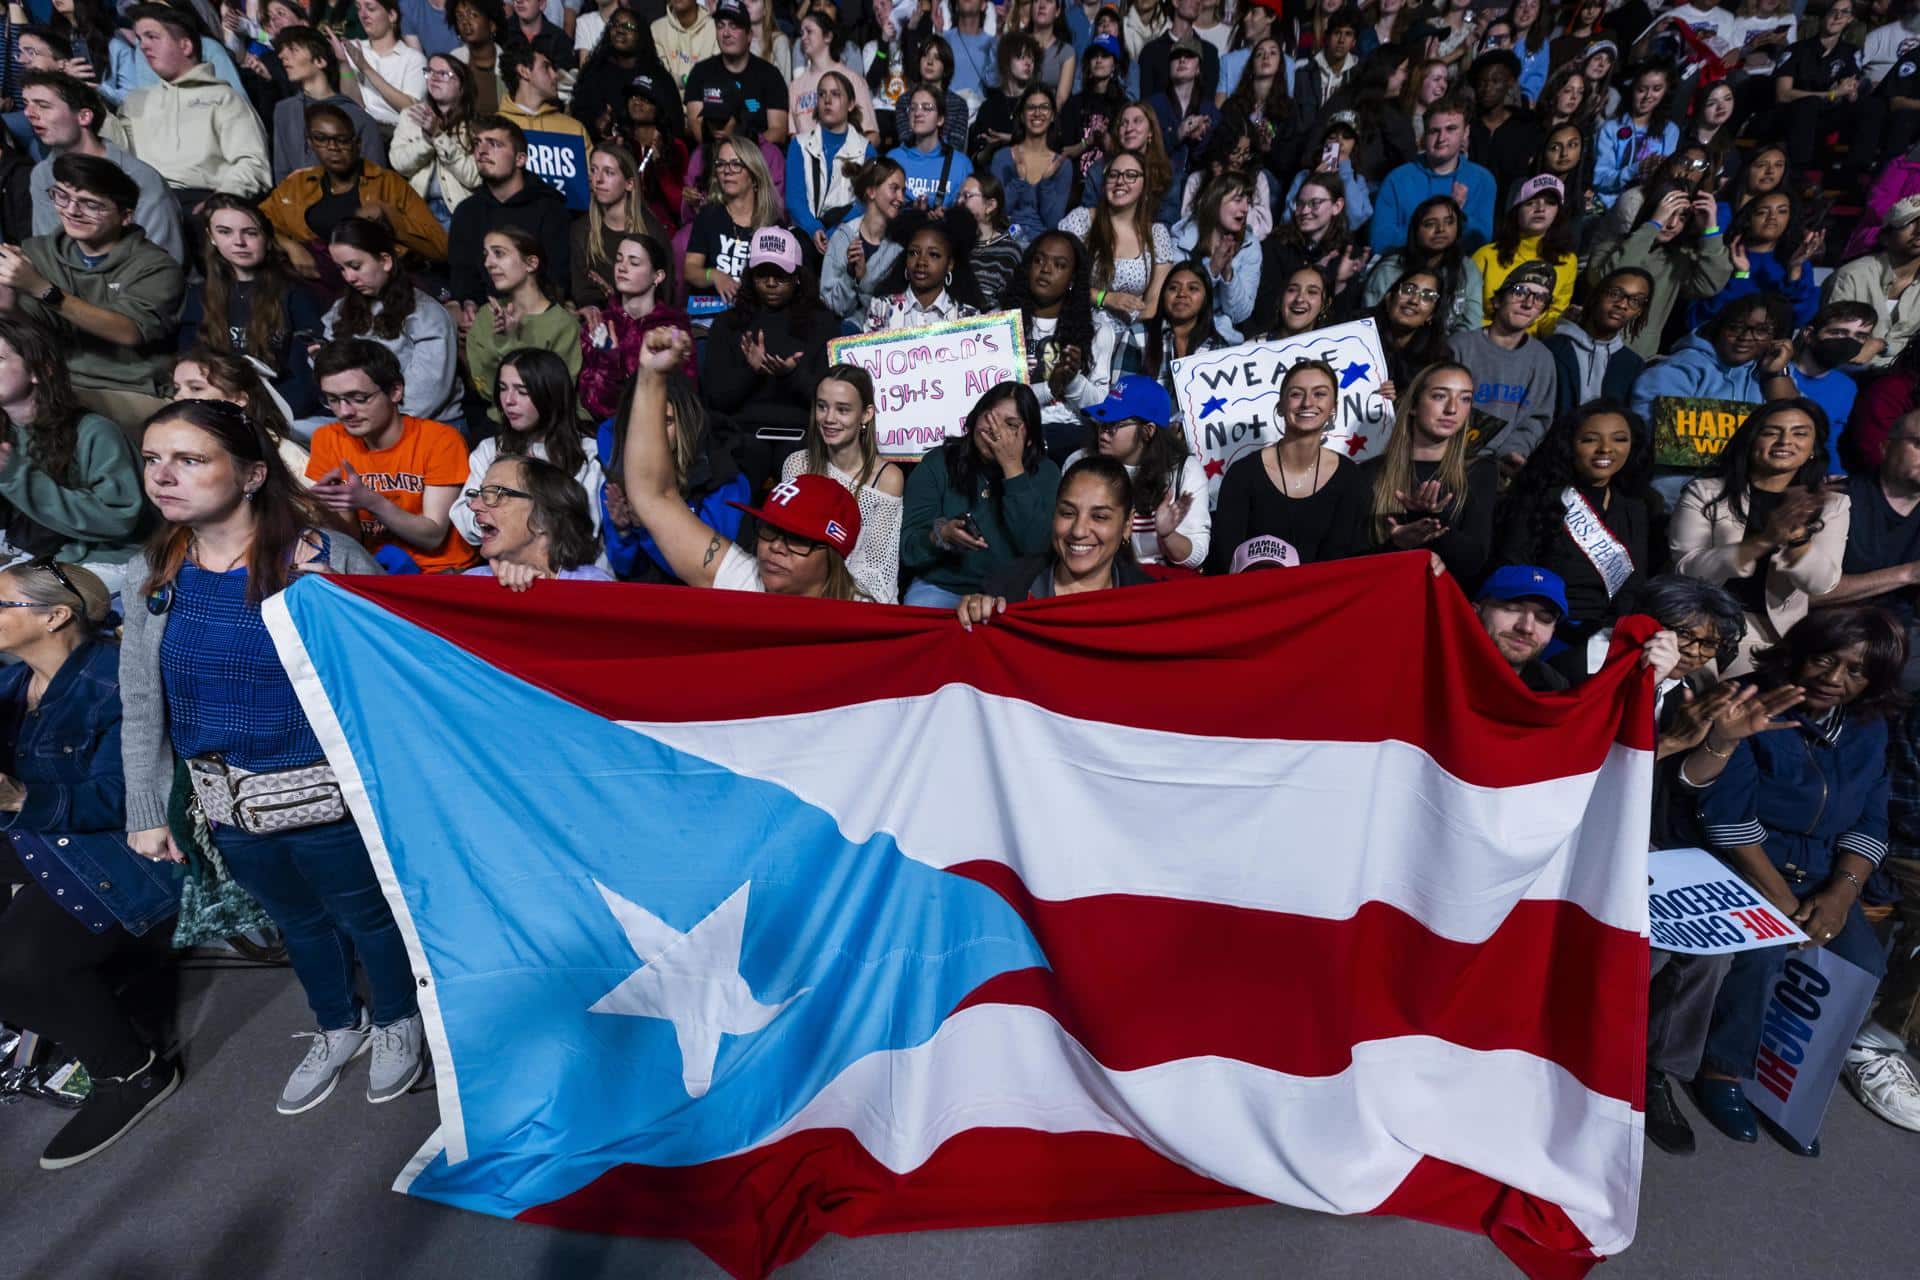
(1679, 270)
(96, 515)
(1019, 524)
(135, 278)
(556, 329)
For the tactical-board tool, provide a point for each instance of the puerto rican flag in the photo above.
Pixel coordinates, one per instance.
(747, 920)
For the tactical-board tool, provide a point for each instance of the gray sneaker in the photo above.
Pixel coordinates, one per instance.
(399, 1059)
(314, 1078)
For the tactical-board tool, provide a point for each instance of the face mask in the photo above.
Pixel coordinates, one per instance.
(1834, 352)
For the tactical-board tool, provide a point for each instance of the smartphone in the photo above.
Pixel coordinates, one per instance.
(967, 523)
(1330, 155)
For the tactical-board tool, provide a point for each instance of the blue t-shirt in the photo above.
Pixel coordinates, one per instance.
(1833, 391)
(925, 170)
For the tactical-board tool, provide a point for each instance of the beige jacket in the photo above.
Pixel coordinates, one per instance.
(199, 133)
(1705, 538)
(418, 159)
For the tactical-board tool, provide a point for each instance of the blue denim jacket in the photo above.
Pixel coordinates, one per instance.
(66, 753)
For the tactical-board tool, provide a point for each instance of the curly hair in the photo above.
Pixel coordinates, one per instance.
(1549, 470)
(1075, 327)
(52, 434)
(960, 233)
(1829, 631)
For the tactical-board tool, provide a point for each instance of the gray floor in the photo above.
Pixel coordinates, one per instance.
(216, 1185)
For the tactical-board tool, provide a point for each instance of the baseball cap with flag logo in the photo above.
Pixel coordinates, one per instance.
(813, 507)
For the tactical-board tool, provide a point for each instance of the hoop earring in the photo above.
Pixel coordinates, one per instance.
(949, 277)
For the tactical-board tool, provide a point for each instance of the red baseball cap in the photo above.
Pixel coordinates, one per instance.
(814, 507)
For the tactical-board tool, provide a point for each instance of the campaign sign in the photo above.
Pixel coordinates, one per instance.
(1813, 1013)
(1689, 433)
(926, 380)
(1230, 398)
(1697, 905)
(560, 161)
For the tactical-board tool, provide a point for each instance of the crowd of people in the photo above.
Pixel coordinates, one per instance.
(548, 292)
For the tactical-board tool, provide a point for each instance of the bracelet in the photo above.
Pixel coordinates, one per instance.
(1858, 883)
(1742, 275)
(1711, 231)
(1706, 745)
(1656, 224)
(1099, 297)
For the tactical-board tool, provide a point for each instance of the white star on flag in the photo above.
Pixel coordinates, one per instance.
(690, 979)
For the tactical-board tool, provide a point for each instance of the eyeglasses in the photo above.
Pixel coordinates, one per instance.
(66, 201)
(1039, 109)
(1634, 301)
(628, 25)
(1529, 294)
(49, 565)
(340, 140)
(1308, 206)
(793, 542)
(729, 166)
(354, 399)
(492, 495)
(1126, 175)
(1750, 331)
(439, 73)
(1410, 290)
(1695, 641)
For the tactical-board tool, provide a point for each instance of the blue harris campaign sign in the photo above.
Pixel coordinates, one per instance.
(560, 161)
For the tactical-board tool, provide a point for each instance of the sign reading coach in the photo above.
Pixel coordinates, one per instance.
(560, 161)
(925, 380)
(1230, 398)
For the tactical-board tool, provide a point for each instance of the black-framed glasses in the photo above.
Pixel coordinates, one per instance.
(492, 495)
(793, 542)
(1614, 293)
(1761, 331)
(1695, 641)
(52, 566)
(340, 140)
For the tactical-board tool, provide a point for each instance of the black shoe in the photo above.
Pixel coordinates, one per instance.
(1726, 1108)
(1667, 1129)
(116, 1104)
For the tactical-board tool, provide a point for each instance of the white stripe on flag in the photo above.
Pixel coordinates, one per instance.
(1313, 828)
(1337, 1144)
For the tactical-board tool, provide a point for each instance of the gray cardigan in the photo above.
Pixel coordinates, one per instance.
(146, 751)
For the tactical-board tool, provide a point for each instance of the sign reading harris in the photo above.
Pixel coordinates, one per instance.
(1690, 433)
(926, 380)
(560, 161)
(1699, 906)
(1230, 398)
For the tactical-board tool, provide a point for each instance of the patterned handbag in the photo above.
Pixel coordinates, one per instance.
(263, 803)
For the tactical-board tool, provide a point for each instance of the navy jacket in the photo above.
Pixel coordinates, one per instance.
(1806, 794)
(66, 753)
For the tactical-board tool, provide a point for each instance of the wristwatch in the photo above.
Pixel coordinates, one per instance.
(51, 296)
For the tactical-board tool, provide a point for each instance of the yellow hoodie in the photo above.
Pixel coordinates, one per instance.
(199, 133)
(1493, 272)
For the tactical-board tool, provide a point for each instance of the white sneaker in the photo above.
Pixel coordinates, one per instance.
(1885, 1085)
(313, 1080)
(1874, 1036)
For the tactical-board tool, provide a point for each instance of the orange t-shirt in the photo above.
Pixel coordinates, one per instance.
(428, 453)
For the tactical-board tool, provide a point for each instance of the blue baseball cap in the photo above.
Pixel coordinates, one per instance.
(1135, 396)
(1525, 582)
(1106, 42)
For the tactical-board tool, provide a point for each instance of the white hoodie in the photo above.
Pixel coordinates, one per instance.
(199, 134)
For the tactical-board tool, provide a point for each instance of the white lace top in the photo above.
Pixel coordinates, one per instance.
(875, 562)
(1130, 275)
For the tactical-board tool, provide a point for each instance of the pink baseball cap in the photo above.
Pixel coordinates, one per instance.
(1265, 552)
(1543, 185)
(774, 247)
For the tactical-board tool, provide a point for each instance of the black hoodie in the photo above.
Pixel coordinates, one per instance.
(538, 209)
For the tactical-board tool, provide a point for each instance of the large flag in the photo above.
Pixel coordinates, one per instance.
(749, 919)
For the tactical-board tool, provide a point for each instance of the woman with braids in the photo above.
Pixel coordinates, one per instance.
(539, 417)
(1069, 349)
(1434, 245)
(253, 304)
(69, 485)
(1424, 491)
(205, 373)
(1577, 508)
(381, 304)
(1169, 521)
(709, 481)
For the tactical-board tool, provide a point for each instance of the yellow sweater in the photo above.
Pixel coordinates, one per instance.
(1494, 272)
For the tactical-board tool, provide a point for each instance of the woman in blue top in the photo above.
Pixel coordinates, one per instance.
(710, 481)
(1628, 144)
(1771, 252)
(200, 679)
(1800, 810)
(1037, 180)
(934, 168)
(83, 900)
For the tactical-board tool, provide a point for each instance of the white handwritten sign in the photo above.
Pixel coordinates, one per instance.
(1696, 904)
(1230, 398)
(926, 380)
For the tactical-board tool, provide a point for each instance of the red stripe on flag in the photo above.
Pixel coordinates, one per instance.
(1358, 651)
(757, 1210)
(1139, 981)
